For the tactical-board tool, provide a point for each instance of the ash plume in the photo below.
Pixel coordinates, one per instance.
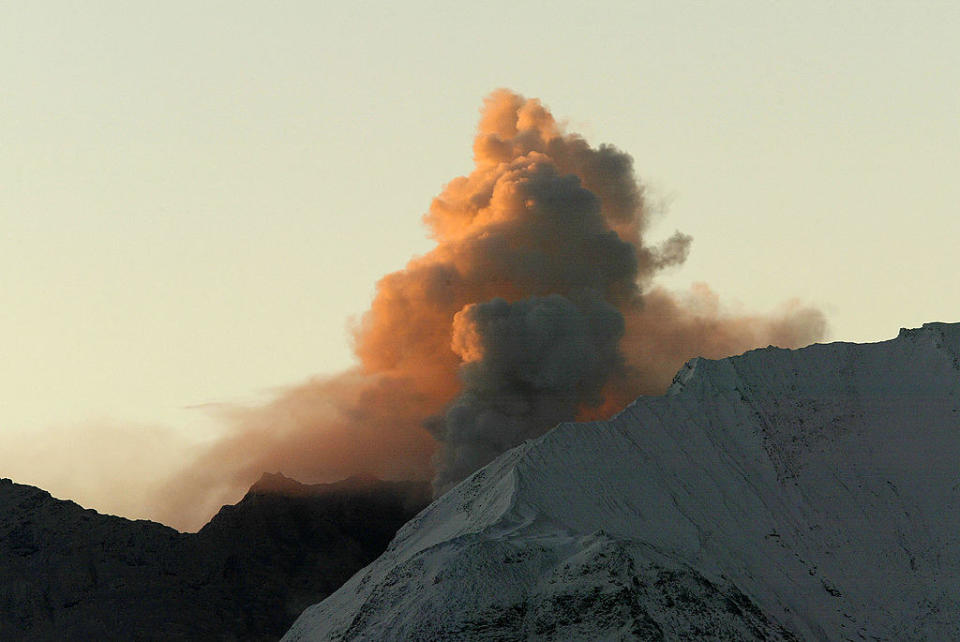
(526, 365)
(536, 306)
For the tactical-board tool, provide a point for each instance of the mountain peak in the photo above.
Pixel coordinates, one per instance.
(779, 494)
(278, 484)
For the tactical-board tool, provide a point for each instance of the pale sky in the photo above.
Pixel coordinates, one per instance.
(196, 197)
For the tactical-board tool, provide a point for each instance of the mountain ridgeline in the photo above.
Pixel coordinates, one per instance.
(778, 495)
(69, 573)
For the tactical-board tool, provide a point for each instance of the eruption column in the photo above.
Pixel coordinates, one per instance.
(535, 306)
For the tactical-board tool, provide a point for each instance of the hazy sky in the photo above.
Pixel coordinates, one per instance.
(196, 197)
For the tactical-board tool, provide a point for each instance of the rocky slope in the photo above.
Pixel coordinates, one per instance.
(808, 494)
(68, 573)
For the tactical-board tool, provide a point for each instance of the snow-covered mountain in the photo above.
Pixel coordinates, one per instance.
(807, 494)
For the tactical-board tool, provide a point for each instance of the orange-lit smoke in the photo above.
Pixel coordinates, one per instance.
(535, 306)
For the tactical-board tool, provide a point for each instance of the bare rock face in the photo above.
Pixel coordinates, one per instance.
(806, 494)
(69, 573)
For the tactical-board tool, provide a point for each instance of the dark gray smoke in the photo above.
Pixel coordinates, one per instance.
(527, 365)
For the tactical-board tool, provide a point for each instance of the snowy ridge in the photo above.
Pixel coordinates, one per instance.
(805, 494)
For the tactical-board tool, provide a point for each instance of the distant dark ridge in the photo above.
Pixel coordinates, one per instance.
(70, 573)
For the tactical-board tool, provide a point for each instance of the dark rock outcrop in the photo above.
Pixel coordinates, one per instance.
(69, 573)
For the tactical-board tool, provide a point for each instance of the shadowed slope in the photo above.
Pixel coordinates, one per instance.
(68, 573)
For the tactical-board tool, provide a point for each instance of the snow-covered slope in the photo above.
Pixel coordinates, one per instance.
(809, 494)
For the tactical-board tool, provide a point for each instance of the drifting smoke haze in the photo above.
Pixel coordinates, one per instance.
(536, 306)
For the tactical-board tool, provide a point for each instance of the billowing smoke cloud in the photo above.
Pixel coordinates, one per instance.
(527, 365)
(536, 306)
(323, 430)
